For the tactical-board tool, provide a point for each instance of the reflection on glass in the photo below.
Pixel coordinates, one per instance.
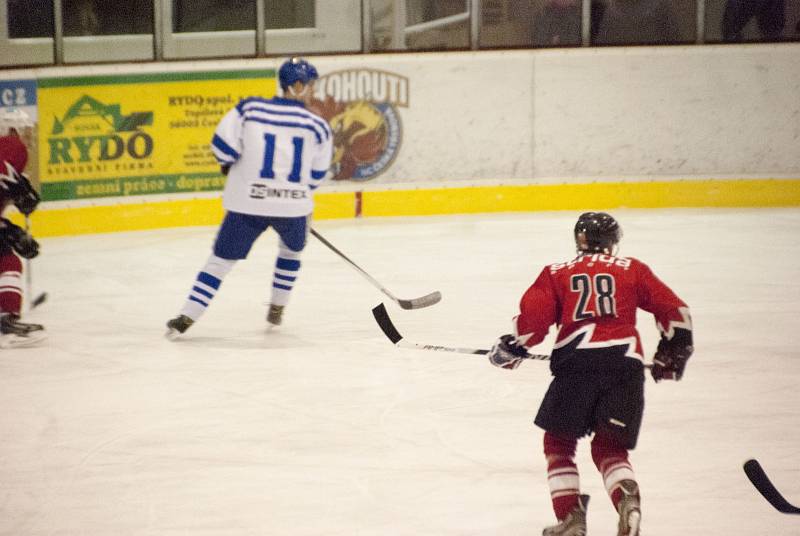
(289, 14)
(30, 18)
(455, 35)
(643, 22)
(508, 23)
(213, 15)
(107, 17)
(384, 14)
(736, 21)
(448, 37)
(427, 10)
(769, 16)
(381, 16)
(557, 23)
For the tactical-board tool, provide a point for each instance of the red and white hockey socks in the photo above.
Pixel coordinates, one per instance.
(612, 461)
(10, 284)
(562, 473)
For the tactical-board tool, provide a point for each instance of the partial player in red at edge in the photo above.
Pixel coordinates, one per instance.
(15, 242)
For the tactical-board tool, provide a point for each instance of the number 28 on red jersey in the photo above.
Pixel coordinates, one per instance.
(593, 300)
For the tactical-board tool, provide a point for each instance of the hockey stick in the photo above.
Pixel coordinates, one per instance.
(761, 481)
(40, 299)
(386, 325)
(388, 328)
(415, 303)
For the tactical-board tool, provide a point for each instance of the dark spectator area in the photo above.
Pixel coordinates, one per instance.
(406, 25)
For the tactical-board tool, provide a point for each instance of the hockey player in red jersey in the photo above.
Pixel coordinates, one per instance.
(15, 242)
(597, 364)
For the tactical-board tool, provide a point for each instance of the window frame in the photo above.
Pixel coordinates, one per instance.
(24, 50)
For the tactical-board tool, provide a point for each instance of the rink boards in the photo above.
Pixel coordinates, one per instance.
(126, 147)
(101, 218)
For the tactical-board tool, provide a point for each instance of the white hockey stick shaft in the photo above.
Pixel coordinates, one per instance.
(387, 326)
(414, 303)
(30, 301)
(28, 274)
(459, 350)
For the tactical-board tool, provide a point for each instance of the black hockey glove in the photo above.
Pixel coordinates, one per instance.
(507, 353)
(20, 190)
(18, 239)
(671, 357)
(28, 199)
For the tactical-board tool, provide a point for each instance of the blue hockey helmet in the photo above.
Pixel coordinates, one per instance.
(296, 70)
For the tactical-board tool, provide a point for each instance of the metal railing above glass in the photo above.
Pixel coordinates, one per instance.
(47, 32)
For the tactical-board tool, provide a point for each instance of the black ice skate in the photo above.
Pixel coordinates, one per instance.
(275, 315)
(16, 334)
(177, 326)
(575, 522)
(630, 511)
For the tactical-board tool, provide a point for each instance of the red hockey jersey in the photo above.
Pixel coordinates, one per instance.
(593, 301)
(13, 153)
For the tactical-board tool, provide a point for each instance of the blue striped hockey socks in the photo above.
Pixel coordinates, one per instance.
(287, 267)
(206, 285)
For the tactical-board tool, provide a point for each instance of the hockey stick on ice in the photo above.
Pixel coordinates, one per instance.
(415, 303)
(40, 299)
(761, 481)
(386, 325)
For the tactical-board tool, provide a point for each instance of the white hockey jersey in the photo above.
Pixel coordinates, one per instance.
(278, 153)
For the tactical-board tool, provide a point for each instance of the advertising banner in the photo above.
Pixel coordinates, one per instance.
(362, 106)
(123, 135)
(21, 95)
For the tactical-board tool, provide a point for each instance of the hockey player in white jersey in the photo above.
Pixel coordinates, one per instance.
(274, 152)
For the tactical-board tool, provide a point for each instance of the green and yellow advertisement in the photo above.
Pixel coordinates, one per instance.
(110, 136)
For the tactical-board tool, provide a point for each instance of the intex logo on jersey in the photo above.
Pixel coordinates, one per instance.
(361, 106)
(262, 191)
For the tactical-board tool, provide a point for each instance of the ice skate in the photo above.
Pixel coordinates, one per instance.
(275, 315)
(575, 522)
(16, 334)
(177, 326)
(630, 512)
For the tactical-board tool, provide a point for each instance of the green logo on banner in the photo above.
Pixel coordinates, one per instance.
(91, 131)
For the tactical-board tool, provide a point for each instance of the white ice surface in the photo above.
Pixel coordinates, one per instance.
(324, 428)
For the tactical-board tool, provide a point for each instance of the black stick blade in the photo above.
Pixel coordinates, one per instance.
(761, 481)
(385, 323)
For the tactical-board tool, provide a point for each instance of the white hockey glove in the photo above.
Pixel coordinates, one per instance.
(507, 353)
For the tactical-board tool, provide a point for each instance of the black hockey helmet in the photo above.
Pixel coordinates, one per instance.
(597, 232)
